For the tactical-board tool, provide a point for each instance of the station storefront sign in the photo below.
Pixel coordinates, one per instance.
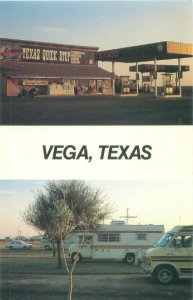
(34, 82)
(160, 68)
(52, 55)
(107, 54)
(48, 55)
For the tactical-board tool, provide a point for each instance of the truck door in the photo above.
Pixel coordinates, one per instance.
(188, 244)
(179, 251)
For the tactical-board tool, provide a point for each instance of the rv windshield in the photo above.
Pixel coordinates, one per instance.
(164, 240)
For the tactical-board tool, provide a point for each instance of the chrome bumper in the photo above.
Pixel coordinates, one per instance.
(145, 269)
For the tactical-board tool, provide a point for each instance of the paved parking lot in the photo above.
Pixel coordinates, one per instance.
(96, 110)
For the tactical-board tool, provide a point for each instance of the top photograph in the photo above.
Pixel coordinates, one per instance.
(96, 63)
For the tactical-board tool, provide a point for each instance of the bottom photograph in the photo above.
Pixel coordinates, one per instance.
(96, 239)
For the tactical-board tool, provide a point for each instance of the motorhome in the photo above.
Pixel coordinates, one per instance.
(116, 241)
(172, 256)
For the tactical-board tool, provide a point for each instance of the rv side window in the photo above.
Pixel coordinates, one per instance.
(114, 237)
(111, 237)
(102, 237)
(142, 236)
(85, 240)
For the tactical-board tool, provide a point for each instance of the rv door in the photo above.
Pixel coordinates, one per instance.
(86, 246)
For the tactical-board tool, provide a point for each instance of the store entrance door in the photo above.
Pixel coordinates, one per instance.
(92, 87)
(99, 86)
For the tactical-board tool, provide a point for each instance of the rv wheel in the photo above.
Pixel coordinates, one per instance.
(76, 257)
(130, 258)
(47, 247)
(164, 275)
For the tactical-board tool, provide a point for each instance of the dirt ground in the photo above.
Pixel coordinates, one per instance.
(33, 275)
(92, 287)
(96, 110)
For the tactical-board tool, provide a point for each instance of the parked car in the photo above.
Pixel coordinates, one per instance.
(18, 244)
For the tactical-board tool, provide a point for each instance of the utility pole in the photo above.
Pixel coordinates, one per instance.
(127, 217)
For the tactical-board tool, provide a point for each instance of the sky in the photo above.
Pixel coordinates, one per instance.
(105, 24)
(167, 203)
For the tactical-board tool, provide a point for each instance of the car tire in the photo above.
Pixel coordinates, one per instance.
(130, 258)
(76, 257)
(164, 275)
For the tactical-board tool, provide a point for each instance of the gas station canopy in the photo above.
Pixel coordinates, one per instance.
(143, 68)
(159, 51)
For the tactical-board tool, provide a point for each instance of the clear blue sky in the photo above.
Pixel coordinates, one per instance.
(153, 202)
(106, 24)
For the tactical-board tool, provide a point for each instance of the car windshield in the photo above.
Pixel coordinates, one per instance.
(164, 240)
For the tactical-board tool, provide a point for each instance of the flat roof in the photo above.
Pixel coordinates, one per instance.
(159, 51)
(44, 70)
(44, 44)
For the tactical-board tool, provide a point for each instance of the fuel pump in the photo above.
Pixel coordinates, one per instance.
(168, 84)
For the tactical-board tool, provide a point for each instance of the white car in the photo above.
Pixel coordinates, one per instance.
(17, 244)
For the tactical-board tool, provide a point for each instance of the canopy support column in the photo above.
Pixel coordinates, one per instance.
(179, 76)
(113, 77)
(155, 76)
(137, 79)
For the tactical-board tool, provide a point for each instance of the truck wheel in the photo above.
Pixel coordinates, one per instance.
(76, 257)
(47, 247)
(130, 258)
(164, 275)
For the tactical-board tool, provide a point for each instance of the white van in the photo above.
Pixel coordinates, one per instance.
(116, 242)
(172, 256)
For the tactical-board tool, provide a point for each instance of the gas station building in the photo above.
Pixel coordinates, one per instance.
(55, 69)
(58, 69)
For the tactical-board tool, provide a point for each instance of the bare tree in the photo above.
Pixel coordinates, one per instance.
(63, 206)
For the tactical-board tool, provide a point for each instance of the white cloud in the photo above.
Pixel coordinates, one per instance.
(6, 192)
(102, 18)
(50, 29)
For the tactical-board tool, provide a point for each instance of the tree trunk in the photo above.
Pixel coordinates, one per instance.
(70, 285)
(54, 249)
(59, 254)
